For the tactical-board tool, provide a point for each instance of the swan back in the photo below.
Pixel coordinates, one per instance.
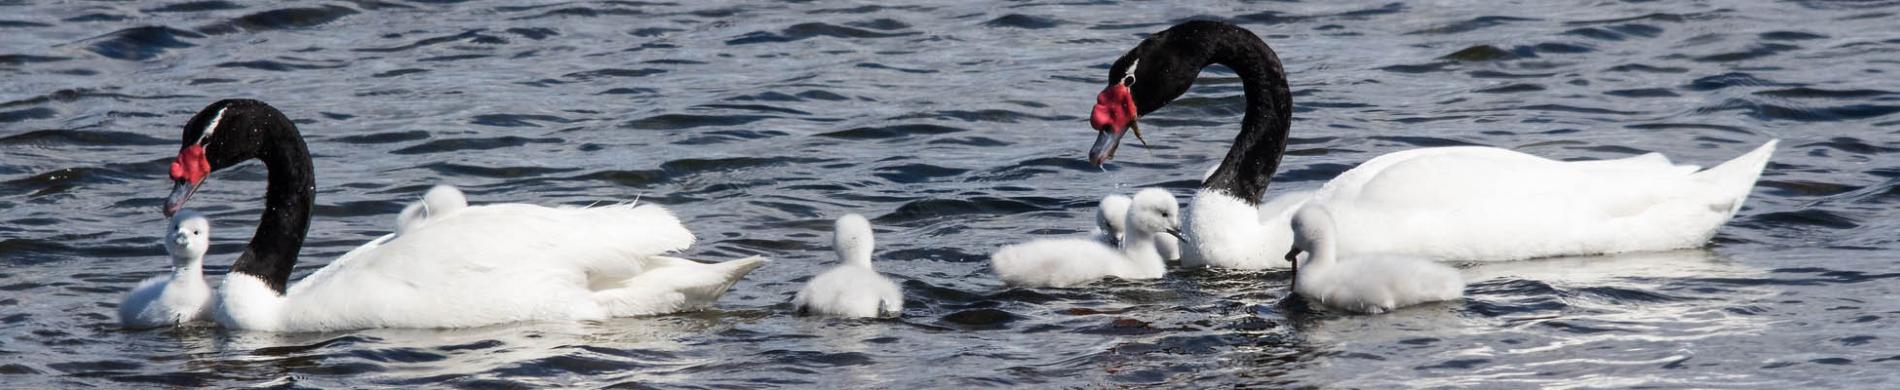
(486, 264)
(852, 239)
(1480, 203)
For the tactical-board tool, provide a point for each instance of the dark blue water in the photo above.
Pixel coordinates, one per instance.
(957, 127)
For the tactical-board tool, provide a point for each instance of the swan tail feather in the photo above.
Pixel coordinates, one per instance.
(1730, 183)
(732, 269)
(673, 284)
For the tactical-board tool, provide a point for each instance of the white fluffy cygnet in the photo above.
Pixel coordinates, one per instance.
(1109, 219)
(1370, 284)
(852, 289)
(1110, 214)
(182, 297)
(440, 201)
(1072, 262)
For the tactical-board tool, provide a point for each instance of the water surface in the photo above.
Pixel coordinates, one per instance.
(957, 127)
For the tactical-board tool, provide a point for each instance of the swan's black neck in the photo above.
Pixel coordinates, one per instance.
(288, 198)
(1255, 155)
(250, 129)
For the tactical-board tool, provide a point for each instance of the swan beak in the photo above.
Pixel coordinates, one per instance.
(1294, 289)
(181, 192)
(1105, 143)
(1176, 232)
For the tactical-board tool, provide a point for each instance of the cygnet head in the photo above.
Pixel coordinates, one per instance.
(1111, 214)
(444, 199)
(1153, 211)
(411, 216)
(187, 237)
(1313, 231)
(441, 200)
(852, 240)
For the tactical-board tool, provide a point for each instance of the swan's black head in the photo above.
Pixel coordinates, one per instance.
(1149, 76)
(225, 133)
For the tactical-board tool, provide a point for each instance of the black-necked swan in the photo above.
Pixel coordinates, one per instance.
(1465, 203)
(1368, 284)
(1491, 204)
(1072, 262)
(183, 296)
(480, 265)
(852, 289)
(1112, 211)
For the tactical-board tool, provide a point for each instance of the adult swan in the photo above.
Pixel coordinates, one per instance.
(479, 265)
(1463, 203)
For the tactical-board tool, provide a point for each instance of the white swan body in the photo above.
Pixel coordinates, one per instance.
(1072, 262)
(1226, 232)
(1109, 218)
(1491, 204)
(852, 289)
(182, 297)
(492, 264)
(1367, 284)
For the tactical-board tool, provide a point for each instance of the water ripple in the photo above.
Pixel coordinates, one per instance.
(279, 19)
(804, 31)
(141, 43)
(959, 128)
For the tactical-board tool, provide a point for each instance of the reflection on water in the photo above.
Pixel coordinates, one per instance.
(957, 128)
(1613, 314)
